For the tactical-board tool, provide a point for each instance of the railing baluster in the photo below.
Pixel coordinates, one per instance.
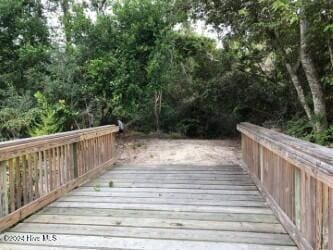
(35, 176)
(40, 173)
(24, 179)
(330, 218)
(18, 189)
(296, 177)
(11, 185)
(47, 170)
(3, 189)
(36, 171)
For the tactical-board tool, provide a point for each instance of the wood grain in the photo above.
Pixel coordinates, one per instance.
(295, 178)
(41, 169)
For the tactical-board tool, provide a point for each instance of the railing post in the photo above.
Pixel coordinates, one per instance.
(297, 198)
(330, 218)
(113, 145)
(261, 163)
(74, 160)
(3, 189)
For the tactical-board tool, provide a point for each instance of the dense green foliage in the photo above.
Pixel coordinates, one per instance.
(142, 62)
(287, 43)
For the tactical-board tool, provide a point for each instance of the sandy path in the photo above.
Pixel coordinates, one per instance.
(168, 151)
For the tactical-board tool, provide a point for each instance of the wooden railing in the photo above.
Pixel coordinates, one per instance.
(297, 179)
(36, 171)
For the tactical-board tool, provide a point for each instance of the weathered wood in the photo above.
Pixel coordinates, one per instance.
(146, 243)
(25, 179)
(158, 214)
(36, 247)
(157, 233)
(41, 202)
(166, 190)
(163, 207)
(296, 176)
(226, 197)
(232, 219)
(183, 186)
(194, 171)
(310, 199)
(318, 240)
(3, 189)
(46, 167)
(178, 167)
(29, 178)
(158, 223)
(41, 169)
(241, 182)
(40, 174)
(38, 139)
(325, 218)
(228, 203)
(285, 220)
(35, 176)
(18, 187)
(187, 177)
(316, 160)
(330, 219)
(51, 173)
(58, 166)
(297, 199)
(11, 185)
(19, 147)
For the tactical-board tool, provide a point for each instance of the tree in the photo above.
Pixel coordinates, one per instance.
(24, 47)
(265, 23)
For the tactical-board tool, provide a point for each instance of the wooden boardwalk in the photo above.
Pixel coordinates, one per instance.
(156, 207)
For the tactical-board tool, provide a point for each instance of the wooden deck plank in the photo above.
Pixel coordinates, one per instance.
(159, 207)
(158, 223)
(175, 181)
(166, 190)
(135, 200)
(162, 207)
(156, 233)
(225, 197)
(96, 242)
(158, 178)
(138, 214)
(182, 186)
(38, 247)
(158, 171)
(175, 166)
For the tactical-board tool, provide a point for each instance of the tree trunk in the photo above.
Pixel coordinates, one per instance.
(158, 109)
(329, 19)
(292, 70)
(299, 90)
(66, 16)
(330, 50)
(312, 77)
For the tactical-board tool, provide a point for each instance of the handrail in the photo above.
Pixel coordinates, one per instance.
(296, 177)
(46, 137)
(12, 148)
(36, 171)
(315, 159)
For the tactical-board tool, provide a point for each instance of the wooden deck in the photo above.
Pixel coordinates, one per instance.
(156, 207)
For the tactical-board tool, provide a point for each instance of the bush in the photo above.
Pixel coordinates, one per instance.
(301, 128)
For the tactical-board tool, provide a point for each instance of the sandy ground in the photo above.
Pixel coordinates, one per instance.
(176, 151)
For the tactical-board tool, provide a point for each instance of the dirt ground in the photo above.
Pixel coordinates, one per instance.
(178, 151)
